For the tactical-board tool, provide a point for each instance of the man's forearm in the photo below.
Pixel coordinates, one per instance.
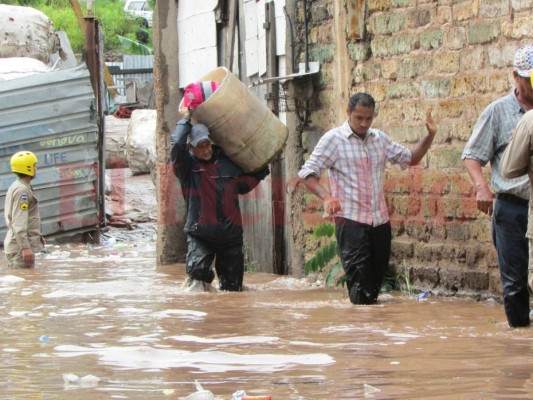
(473, 167)
(313, 185)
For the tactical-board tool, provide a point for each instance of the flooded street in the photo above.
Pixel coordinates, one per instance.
(110, 317)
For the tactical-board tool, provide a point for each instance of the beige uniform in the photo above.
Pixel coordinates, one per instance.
(23, 222)
(517, 161)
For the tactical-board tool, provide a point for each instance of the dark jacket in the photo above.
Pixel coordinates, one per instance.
(211, 189)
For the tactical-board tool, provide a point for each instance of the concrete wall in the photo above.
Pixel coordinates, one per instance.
(454, 56)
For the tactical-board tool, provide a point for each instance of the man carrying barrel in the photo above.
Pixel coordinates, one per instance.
(211, 185)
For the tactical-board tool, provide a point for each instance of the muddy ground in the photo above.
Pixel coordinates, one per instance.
(131, 206)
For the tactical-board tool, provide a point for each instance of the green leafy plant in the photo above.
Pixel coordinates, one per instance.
(326, 255)
(389, 282)
(114, 23)
(135, 47)
(405, 277)
(250, 266)
(110, 14)
(329, 253)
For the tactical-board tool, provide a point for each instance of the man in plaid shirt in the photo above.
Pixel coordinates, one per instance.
(490, 136)
(355, 156)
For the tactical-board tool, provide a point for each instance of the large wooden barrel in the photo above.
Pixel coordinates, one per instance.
(241, 124)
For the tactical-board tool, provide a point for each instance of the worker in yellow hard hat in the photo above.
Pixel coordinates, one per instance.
(23, 238)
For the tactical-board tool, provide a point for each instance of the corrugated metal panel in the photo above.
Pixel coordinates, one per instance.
(52, 115)
(257, 216)
(132, 62)
(257, 220)
(139, 62)
(118, 79)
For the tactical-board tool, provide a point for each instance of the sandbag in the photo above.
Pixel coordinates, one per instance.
(18, 67)
(26, 32)
(140, 141)
(116, 130)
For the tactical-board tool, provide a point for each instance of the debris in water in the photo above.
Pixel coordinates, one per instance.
(370, 389)
(200, 393)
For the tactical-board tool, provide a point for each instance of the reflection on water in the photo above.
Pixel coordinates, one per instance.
(111, 317)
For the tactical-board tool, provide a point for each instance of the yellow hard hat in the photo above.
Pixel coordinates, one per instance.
(24, 162)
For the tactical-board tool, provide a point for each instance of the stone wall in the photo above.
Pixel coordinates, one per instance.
(454, 56)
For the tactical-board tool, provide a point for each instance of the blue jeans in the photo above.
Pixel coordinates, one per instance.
(364, 253)
(509, 226)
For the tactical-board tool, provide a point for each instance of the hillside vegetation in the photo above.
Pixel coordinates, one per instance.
(110, 14)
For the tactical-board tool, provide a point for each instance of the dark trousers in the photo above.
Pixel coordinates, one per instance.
(229, 262)
(364, 254)
(509, 226)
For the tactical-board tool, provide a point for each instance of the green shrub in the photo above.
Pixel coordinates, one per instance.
(110, 15)
(113, 23)
(328, 256)
(65, 20)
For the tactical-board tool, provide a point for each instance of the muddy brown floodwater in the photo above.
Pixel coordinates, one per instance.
(104, 322)
(110, 316)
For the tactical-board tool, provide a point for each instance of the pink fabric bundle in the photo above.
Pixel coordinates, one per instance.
(198, 92)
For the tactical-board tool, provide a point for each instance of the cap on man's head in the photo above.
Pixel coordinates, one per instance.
(199, 133)
(523, 61)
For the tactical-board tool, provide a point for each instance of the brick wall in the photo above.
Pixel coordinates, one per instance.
(454, 56)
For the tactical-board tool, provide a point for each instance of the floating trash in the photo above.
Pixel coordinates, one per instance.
(200, 394)
(57, 255)
(110, 242)
(71, 379)
(85, 382)
(121, 246)
(89, 381)
(238, 395)
(422, 296)
(370, 389)
(241, 395)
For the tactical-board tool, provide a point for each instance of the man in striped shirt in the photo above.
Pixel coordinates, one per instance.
(355, 156)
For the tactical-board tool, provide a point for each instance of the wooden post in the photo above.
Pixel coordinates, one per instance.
(93, 61)
(276, 170)
(107, 75)
(232, 12)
